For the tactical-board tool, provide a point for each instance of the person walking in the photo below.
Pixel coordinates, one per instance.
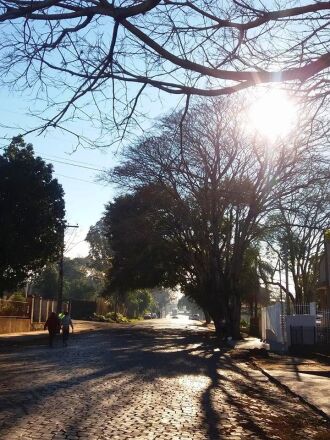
(66, 323)
(53, 325)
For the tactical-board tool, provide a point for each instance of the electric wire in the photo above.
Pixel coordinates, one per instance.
(79, 180)
(72, 164)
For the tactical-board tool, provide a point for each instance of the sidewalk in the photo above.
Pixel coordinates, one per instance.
(12, 339)
(307, 378)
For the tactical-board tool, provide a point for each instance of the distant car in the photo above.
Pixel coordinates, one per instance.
(195, 316)
(175, 317)
(147, 316)
(153, 315)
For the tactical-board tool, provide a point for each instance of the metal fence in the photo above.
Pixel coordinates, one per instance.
(303, 324)
(302, 335)
(301, 308)
(15, 309)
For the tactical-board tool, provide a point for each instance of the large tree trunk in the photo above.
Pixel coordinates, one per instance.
(220, 327)
(235, 317)
(207, 316)
(219, 314)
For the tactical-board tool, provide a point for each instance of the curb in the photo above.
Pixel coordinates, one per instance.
(14, 341)
(289, 391)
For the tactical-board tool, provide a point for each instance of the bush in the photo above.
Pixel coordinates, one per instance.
(116, 317)
(111, 317)
(17, 296)
(244, 323)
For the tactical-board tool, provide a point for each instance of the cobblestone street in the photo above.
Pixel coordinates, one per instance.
(144, 383)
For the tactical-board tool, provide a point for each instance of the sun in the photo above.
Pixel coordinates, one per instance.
(273, 115)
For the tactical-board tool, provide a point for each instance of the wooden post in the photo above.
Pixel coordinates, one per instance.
(32, 310)
(40, 305)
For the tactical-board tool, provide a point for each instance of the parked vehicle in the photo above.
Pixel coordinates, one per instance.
(147, 316)
(195, 316)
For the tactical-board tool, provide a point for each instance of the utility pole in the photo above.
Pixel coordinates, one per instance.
(61, 271)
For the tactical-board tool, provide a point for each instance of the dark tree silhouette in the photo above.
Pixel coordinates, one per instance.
(32, 214)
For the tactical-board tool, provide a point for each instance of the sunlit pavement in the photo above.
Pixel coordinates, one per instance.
(159, 379)
(170, 322)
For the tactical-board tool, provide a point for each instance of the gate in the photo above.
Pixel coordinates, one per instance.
(301, 335)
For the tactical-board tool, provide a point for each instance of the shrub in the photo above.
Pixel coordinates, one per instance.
(244, 324)
(111, 317)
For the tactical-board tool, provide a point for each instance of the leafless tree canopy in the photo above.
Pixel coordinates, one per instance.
(225, 186)
(94, 49)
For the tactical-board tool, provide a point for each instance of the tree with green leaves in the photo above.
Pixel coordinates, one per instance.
(137, 302)
(99, 250)
(214, 187)
(100, 254)
(79, 282)
(32, 214)
(46, 282)
(134, 225)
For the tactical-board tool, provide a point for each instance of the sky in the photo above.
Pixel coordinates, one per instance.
(84, 196)
(76, 169)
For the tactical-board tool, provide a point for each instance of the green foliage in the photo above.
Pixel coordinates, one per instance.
(111, 317)
(189, 304)
(32, 214)
(137, 229)
(17, 296)
(137, 302)
(100, 252)
(46, 284)
(116, 317)
(15, 305)
(162, 297)
(78, 282)
(244, 324)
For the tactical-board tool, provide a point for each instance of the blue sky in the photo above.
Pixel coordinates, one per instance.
(84, 197)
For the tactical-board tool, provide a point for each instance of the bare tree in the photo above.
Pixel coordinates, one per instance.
(227, 184)
(298, 235)
(109, 54)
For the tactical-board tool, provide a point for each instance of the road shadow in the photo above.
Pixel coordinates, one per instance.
(132, 357)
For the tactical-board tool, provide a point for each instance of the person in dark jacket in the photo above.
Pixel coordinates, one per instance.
(53, 325)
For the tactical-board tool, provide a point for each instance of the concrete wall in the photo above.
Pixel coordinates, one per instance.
(307, 325)
(14, 325)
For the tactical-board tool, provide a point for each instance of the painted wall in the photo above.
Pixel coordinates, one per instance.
(14, 325)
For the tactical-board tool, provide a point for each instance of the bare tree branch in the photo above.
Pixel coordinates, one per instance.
(204, 47)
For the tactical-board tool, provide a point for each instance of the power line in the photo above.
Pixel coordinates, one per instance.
(68, 159)
(79, 180)
(64, 161)
(72, 164)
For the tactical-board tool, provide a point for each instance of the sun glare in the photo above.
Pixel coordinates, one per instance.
(273, 115)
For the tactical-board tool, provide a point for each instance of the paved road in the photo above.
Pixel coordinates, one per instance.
(160, 380)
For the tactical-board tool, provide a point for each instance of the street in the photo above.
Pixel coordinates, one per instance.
(161, 379)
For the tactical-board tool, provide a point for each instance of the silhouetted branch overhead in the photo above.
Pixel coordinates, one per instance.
(202, 47)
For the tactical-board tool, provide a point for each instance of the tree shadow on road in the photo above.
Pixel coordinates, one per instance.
(110, 370)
